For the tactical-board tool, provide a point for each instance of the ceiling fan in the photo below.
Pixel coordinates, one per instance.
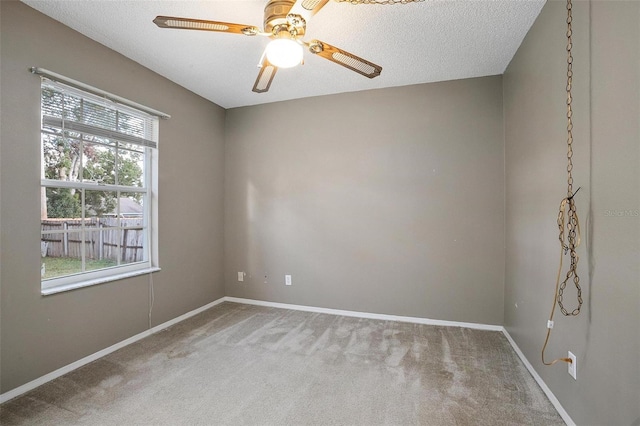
(285, 22)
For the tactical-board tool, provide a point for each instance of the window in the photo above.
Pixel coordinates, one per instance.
(97, 195)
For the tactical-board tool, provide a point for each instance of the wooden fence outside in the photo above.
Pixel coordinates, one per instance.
(102, 238)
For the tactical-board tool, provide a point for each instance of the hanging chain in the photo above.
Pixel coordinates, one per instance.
(573, 227)
(379, 1)
(569, 100)
(567, 212)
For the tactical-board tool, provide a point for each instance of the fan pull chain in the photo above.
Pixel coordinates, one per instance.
(567, 214)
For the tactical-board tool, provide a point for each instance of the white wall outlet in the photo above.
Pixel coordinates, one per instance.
(573, 366)
(240, 276)
(287, 280)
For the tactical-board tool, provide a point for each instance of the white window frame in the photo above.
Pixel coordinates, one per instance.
(150, 217)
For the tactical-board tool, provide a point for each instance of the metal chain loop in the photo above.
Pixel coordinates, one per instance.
(573, 227)
(379, 1)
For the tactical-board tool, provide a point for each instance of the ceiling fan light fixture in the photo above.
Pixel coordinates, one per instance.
(284, 53)
(285, 22)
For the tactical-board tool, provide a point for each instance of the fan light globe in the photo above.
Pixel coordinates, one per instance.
(284, 53)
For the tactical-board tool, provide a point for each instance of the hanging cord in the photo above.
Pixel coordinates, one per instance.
(151, 297)
(567, 215)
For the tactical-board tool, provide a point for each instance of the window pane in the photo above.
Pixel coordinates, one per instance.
(53, 267)
(51, 248)
(134, 233)
(99, 164)
(93, 139)
(130, 166)
(61, 157)
(132, 249)
(51, 244)
(100, 203)
(91, 242)
(74, 238)
(95, 264)
(110, 247)
(61, 203)
(62, 250)
(96, 240)
(131, 205)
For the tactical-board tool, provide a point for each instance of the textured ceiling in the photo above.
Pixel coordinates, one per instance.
(414, 43)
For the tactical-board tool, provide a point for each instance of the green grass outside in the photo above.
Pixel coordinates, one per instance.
(61, 266)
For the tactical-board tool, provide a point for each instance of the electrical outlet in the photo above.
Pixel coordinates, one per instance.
(573, 366)
(287, 280)
(240, 276)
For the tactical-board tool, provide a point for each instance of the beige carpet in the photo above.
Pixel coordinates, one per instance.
(240, 364)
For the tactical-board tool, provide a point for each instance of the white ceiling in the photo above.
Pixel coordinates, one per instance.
(430, 41)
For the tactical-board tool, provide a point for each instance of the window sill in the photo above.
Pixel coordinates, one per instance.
(95, 281)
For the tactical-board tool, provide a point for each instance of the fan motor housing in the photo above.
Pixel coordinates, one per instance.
(276, 18)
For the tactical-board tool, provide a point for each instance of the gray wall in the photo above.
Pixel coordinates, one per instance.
(606, 335)
(40, 334)
(388, 201)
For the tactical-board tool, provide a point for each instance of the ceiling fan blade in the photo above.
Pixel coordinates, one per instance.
(307, 8)
(199, 24)
(346, 59)
(265, 76)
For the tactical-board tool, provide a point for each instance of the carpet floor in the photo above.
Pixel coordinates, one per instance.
(240, 364)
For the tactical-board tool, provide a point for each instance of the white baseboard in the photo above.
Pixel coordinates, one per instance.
(357, 314)
(90, 358)
(563, 413)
